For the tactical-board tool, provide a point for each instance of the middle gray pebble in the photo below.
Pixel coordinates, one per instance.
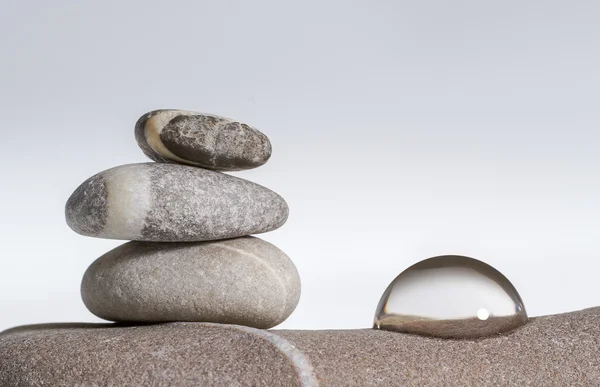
(159, 202)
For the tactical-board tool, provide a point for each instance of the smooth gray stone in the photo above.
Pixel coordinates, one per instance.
(549, 351)
(172, 203)
(244, 281)
(203, 140)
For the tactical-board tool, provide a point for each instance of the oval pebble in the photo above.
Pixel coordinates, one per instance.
(172, 203)
(156, 355)
(244, 281)
(203, 140)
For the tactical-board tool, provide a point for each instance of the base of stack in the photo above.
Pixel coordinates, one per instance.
(244, 281)
(554, 350)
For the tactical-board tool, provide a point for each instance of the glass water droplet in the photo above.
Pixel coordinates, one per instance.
(450, 297)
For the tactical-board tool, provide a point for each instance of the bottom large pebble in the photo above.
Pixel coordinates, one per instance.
(244, 281)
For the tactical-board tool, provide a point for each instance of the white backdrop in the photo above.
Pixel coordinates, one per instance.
(400, 130)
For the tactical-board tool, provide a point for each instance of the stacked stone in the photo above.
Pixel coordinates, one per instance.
(191, 257)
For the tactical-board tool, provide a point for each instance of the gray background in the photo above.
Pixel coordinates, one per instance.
(400, 129)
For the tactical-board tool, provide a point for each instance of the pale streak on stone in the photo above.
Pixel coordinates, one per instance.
(299, 360)
(129, 201)
(154, 127)
(263, 263)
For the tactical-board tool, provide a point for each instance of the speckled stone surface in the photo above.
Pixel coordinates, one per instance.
(172, 203)
(550, 351)
(174, 355)
(204, 140)
(560, 350)
(244, 281)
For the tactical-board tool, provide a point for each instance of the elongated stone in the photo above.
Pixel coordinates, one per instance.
(550, 351)
(245, 281)
(172, 203)
(158, 355)
(203, 140)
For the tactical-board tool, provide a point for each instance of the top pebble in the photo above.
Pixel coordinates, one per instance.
(202, 140)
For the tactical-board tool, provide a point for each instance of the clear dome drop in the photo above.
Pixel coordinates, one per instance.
(451, 297)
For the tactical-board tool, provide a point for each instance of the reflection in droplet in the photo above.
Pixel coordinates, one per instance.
(451, 297)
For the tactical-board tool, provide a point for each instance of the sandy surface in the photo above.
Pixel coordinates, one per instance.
(558, 350)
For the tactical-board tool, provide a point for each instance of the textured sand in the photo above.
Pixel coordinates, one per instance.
(559, 350)
(175, 354)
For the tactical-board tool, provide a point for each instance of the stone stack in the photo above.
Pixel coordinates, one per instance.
(191, 257)
(191, 260)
